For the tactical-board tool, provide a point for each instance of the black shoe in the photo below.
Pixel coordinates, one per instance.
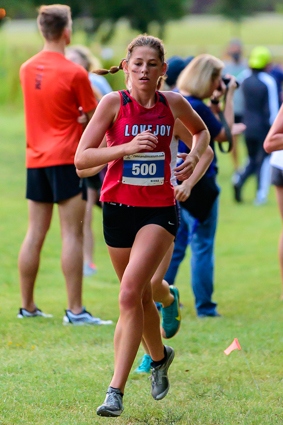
(237, 193)
(113, 405)
(159, 379)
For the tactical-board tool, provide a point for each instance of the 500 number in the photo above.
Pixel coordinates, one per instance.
(144, 169)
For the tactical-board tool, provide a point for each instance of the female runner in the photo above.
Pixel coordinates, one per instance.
(139, 215)
(274, 144)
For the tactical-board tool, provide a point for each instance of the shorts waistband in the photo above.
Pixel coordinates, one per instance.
(116, 204)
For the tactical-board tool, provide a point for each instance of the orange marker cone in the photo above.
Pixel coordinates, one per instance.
(234, 346)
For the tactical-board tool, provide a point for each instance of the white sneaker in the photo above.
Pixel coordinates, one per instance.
(89, 269)
(36, 313)
(83, 318)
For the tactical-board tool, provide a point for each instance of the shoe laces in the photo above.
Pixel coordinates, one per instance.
(156, 377)
(113, 398)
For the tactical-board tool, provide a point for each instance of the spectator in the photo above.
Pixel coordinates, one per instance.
(53, 89)
(200, 80)
(235, 65)
(274, 144)
(260, 109)
(82, 56)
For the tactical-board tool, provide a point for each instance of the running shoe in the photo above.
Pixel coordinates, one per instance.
(203, 316)
(89, 269)
(83, 318)
(159, 379)
(144, 364)
(36, 313)
(237, 193)
(113, 404)
(171, 316)
(158, 306)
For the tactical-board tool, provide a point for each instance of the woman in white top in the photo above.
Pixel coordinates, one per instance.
(274, 144)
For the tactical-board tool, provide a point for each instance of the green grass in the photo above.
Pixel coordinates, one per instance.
(51, 374)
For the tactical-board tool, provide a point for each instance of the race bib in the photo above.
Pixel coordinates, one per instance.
(144, 169)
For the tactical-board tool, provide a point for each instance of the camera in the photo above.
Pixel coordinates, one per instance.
(226, 81)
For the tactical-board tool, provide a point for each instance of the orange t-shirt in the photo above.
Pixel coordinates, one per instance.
(53, 89)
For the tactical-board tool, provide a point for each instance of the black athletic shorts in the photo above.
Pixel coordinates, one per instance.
(276, 176)
(54, 184)
(121, 222)
(94, 182)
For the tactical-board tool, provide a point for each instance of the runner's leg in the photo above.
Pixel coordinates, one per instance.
(160, 288)
(138, 313)
(40, 215)
(181, 243)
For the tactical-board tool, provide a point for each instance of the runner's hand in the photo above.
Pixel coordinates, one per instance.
(182, 192)
(143, 141)
(186, 169)
(83, 118)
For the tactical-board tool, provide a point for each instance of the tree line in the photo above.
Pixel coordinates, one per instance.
(142, 14)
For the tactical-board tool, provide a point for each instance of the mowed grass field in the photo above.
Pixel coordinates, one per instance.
(51, 374)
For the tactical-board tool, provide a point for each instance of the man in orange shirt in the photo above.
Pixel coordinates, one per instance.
(54, 89)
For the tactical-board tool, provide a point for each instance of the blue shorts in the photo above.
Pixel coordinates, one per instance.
(54, 184)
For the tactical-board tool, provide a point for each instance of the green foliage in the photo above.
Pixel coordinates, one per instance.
(20, 9)
(236, 10)
(139, 14)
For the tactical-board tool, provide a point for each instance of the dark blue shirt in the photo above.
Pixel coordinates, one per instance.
(260, 104)
(213, 124)
(277, 74)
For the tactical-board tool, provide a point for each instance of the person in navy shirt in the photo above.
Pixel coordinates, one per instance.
(200, 80)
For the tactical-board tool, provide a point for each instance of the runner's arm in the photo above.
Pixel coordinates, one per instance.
(181, 132)
(182, 109)
(89, 172)
(274, 138)
(88, 155)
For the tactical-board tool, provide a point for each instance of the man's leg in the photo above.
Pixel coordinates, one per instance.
(92, 197)
(202, 261)
(250, 168)
(71, 213)
(40, 215)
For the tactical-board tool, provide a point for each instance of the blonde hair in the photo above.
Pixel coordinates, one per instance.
(197, 77)
(52, 20)
(140, 41)
(91, 62)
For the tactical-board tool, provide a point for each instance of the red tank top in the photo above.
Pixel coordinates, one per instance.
(143, 179)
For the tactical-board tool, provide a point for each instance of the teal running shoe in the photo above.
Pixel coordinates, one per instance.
(144, 364)
(171, 316)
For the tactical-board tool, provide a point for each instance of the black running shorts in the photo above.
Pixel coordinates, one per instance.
(121, 222)
(94, 182)
(54, 184)
(276, 176)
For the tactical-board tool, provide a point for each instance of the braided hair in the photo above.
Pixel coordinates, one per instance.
(140, 41)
